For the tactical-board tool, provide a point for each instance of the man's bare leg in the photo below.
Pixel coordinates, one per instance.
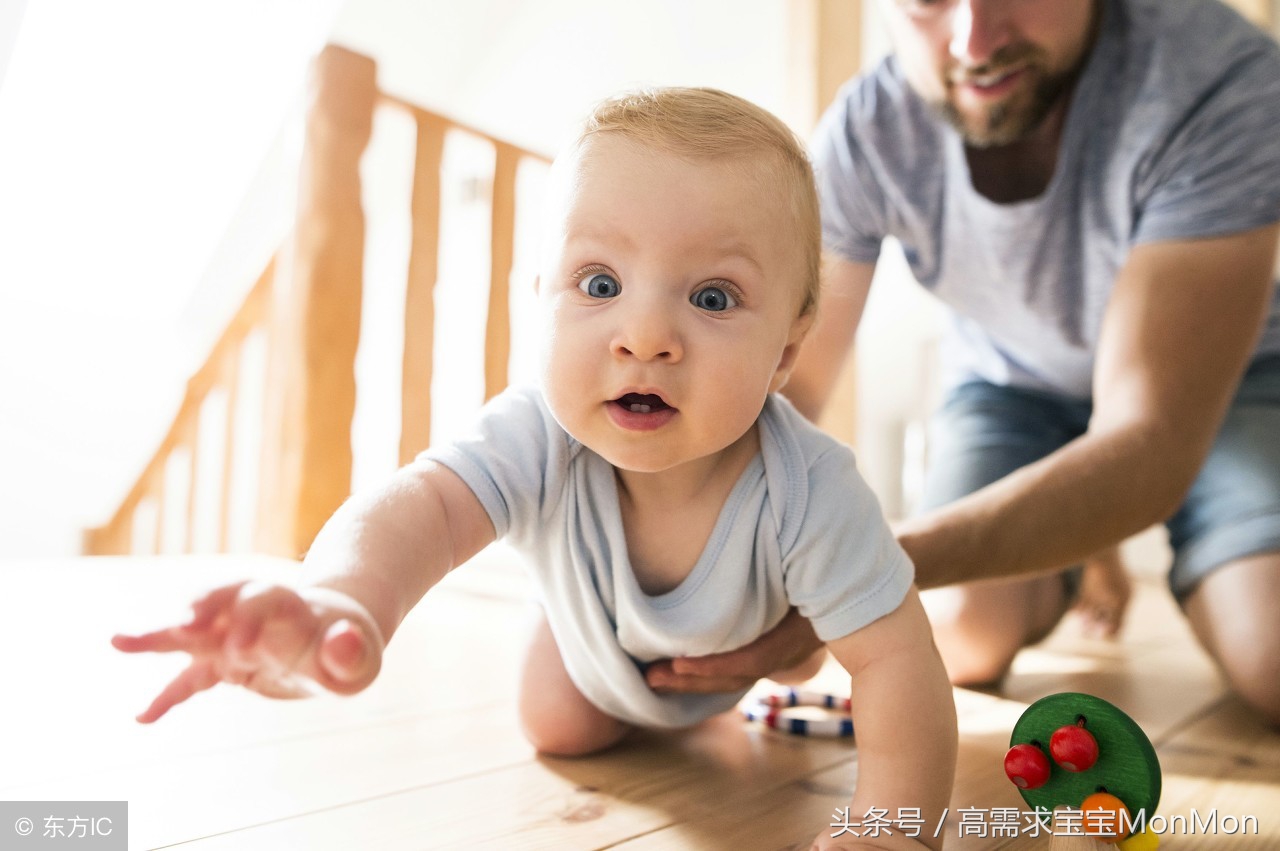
(1233, 612)
(980, 626)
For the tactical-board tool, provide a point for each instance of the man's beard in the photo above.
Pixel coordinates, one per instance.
(1008, 121)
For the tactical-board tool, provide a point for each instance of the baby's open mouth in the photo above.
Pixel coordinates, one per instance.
(641, 403)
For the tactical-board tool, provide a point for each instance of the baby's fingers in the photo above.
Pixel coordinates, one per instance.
(162, 641)
(211, 606)
(270, 626)
(198, 676)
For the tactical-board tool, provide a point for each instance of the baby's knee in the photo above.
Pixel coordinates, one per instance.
(552, 736)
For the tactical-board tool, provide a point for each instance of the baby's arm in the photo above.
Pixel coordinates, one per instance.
(386, 548)
(372, 561)
(904, 719)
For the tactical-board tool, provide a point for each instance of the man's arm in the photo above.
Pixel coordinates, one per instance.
(1183, 319)
(845, 286)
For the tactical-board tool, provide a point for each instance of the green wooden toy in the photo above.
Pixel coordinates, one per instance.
(1069, 746)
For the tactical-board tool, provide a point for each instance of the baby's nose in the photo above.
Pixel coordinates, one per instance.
(648, 335)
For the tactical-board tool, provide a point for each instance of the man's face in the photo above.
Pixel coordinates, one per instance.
(993, 68)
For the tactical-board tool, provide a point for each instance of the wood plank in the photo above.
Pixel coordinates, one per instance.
(1229, 729)
(431, 755)
(645, 784)
(1136, 674)
(1201, 784)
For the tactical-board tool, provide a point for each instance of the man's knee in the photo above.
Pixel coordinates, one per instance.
(1255, 676)
(980, 628)
(1233, 613)
(976, 649)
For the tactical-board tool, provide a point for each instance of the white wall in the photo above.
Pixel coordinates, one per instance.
(129, 132)
(528, 71)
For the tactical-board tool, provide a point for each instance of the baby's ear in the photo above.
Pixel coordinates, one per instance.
(537, 284)
(799, 328)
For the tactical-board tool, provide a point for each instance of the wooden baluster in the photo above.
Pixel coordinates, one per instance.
(191, 440)
(230, 380)
(157, 489)
(122, 536)
(317, 313)
(419, 300)
(497, 339)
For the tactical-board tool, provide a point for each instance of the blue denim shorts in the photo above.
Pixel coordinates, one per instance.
(983, 432)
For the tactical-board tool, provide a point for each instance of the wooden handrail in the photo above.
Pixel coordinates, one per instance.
(419, 338)
(219, 369)
(307, 303)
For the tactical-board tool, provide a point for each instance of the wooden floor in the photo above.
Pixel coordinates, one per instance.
(431, 757)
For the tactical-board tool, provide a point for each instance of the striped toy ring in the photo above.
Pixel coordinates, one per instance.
(774, 711)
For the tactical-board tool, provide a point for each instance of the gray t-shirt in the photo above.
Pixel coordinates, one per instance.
(800, 528)
(1173, 132)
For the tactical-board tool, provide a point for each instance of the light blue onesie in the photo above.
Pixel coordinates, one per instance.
(799, 528)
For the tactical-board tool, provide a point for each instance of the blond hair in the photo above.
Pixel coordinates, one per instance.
(708, 124)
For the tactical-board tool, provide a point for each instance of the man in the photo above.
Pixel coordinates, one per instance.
(1093, 189)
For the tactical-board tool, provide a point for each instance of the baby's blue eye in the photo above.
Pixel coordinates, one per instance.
(600, 285)
(713, 299)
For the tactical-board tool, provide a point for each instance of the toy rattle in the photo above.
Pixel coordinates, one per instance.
(1079, 752)
(774, 711)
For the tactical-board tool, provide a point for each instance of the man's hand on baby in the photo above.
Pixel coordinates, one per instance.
(268, 638)
(784, 648)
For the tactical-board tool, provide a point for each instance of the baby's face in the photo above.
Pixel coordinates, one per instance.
(671, 290)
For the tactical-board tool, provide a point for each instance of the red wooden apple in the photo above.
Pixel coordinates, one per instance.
(1073, 747)
(1027, 766)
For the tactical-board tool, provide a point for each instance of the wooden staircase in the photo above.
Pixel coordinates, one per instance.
(306, 305)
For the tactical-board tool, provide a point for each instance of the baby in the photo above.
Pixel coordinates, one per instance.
(668, 501)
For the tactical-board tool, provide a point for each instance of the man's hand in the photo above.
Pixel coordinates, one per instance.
(268, 638)
(788, 645)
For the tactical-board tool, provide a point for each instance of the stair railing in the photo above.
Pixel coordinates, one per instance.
(307, 304)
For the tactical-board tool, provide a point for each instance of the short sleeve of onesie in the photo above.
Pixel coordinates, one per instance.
(845, 569)
(514, 460)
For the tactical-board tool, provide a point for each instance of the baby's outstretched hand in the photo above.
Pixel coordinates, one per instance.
(269, 638)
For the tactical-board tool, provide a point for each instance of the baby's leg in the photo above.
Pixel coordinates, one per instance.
(555, 716)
